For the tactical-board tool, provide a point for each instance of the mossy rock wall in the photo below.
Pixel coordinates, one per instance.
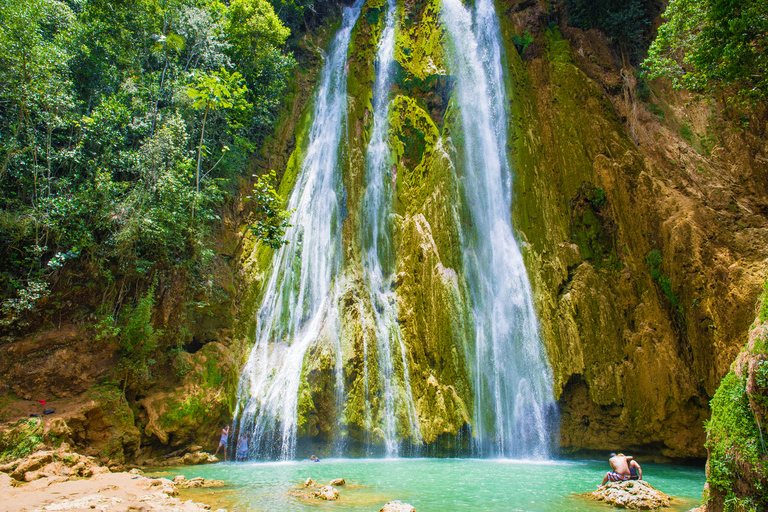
(737, 464)
(645, 248)
(637, 348)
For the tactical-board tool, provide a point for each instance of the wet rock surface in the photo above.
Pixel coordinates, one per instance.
(632, 494)
(327, 493)
(198, 482)
(397, 506)
(188, 459)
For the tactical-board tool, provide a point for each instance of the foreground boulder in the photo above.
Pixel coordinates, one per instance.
(633, 494)
(327, 493)
(198, 482)
(397, 506)
(188, 459)
(60, 479)
(52, 463)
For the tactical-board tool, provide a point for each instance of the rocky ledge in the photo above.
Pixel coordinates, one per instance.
(632, 494)
(64, 480)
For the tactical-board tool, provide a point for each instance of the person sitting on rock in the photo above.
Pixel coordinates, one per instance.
(314, 458)
(635, 470)
(620, 468)
(223, 442)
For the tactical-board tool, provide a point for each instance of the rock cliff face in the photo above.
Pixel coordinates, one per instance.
(642, 212)
(643, 217)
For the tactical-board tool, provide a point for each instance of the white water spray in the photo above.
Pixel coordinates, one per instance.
(299, 301)
(378, 259)
(511, 377)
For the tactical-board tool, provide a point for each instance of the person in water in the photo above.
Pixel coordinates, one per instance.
(619, 468)
(635, 470)
(314, 458)
(242, 447)
(223, 442)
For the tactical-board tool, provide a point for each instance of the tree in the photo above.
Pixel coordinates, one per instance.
(271, 219)
(624, 21)
(714, 44)
(218, 90)
(256, 36)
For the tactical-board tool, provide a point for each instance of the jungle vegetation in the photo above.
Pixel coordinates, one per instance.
(126, 128)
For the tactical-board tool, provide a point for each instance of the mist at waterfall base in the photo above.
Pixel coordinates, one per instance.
(514, 411)
(430, 485)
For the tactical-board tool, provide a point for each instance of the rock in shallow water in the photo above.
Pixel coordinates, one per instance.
(326, 493)
(397, 506)
(337, 482)
(633, 494)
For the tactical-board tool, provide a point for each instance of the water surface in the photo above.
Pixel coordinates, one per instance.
(430, 485)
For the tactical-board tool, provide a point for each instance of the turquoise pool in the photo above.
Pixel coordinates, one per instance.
(430, 485)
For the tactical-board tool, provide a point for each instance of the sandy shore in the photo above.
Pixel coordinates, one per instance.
(107, 492)
(55, 480)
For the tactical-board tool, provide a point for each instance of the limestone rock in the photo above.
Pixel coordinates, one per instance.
(188, 459)
(176, 431)
(326, 493)
(197, 482)
(337, 482)
(397, 506)
(309, 482)
(50, 463)
(632, 494)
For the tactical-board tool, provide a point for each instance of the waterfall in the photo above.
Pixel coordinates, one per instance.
(378, 260)
(299, 302)
(511, 377)
(300, 306)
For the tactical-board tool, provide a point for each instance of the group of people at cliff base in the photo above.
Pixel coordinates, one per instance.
(623, 467)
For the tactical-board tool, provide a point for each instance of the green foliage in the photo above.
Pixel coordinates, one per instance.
(713, 44)
(124, 128)
(22, 439)
(522, 41)
(624, 21)
(271, 218)
(292, 12)
(763, 315)
(653, 260)
(642, 87)
(686, 133)
(139, 339)
(734, 445)
(189, 407)
(656, 109)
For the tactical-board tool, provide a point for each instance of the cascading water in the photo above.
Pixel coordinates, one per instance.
(378, 261)
(299, 301)
(511, 377)
(300, 305)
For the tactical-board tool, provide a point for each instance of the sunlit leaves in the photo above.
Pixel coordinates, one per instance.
(714, 44)
(271, 220)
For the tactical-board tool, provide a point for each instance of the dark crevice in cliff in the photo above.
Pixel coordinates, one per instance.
(565, 285)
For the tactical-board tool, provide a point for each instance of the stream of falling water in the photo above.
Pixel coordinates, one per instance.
(512, 380)
(299, 302)
(379, 262)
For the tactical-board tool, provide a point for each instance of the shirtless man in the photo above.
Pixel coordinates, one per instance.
(620, 468)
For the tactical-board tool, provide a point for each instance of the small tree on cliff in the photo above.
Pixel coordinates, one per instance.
(714, 44)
